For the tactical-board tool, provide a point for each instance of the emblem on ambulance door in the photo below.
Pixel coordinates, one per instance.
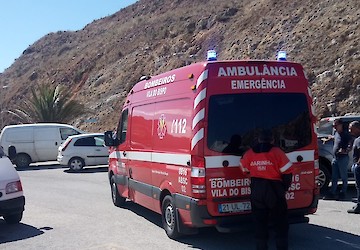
(161, 127)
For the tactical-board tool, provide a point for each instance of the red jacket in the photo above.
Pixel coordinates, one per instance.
(266, 165)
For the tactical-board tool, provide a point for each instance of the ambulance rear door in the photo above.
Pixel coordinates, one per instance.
(242, 98)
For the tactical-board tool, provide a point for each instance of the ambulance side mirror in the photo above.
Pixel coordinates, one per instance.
(110, 139)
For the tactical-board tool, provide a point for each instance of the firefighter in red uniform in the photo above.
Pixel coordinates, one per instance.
(269, 169)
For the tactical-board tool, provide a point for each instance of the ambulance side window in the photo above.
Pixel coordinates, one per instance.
(122, 128)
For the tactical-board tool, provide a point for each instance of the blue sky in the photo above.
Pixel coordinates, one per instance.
(22, 22)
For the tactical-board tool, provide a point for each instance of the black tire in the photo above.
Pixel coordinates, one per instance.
(117, 199)
(11, 152)
(169, 218)
(324, 178)
(22, 160)
(13, 218)
(76, 164)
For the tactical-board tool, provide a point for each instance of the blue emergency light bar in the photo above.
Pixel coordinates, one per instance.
(211, 55)
(281, 56)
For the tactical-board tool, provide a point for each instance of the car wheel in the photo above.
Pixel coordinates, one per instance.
(323, 178)
(13, 218)
(22, 160)
(76, 164)
(169, 218)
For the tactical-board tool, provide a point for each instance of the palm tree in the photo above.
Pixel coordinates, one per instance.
(50, 104)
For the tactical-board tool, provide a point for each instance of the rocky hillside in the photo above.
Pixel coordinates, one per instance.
(103, 60)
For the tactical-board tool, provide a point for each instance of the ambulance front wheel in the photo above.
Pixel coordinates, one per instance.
(117, 199)
(169, 218)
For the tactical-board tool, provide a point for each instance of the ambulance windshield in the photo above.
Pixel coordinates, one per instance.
(286, 114)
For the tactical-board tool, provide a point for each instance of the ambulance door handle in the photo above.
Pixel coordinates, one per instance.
(124, 153)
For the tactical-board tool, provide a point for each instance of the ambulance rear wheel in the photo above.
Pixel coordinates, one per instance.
(169, 218)
(117, 199)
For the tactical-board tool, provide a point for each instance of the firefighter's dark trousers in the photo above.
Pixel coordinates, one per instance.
(269, 209)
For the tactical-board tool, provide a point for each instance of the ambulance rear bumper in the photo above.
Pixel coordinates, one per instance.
(200, 216)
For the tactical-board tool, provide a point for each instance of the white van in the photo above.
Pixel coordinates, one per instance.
(35, 142)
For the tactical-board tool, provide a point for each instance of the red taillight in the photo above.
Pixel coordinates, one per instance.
(198, 185)
(66, 143)
(13, 187)
(197, 180)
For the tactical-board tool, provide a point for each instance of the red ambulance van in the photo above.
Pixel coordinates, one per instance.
(181, 134)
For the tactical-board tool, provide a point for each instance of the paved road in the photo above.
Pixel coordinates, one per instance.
(67, 210)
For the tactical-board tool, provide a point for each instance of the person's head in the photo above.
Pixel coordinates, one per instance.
(266, 136)
(354, 128)
(338, 125)
(235, 140)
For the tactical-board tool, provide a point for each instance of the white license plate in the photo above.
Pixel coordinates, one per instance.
(234, 207)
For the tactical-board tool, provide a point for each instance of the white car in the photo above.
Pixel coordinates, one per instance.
(83, 150)
(12, 199)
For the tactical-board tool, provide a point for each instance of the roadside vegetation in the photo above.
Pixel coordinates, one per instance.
(48, 103)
